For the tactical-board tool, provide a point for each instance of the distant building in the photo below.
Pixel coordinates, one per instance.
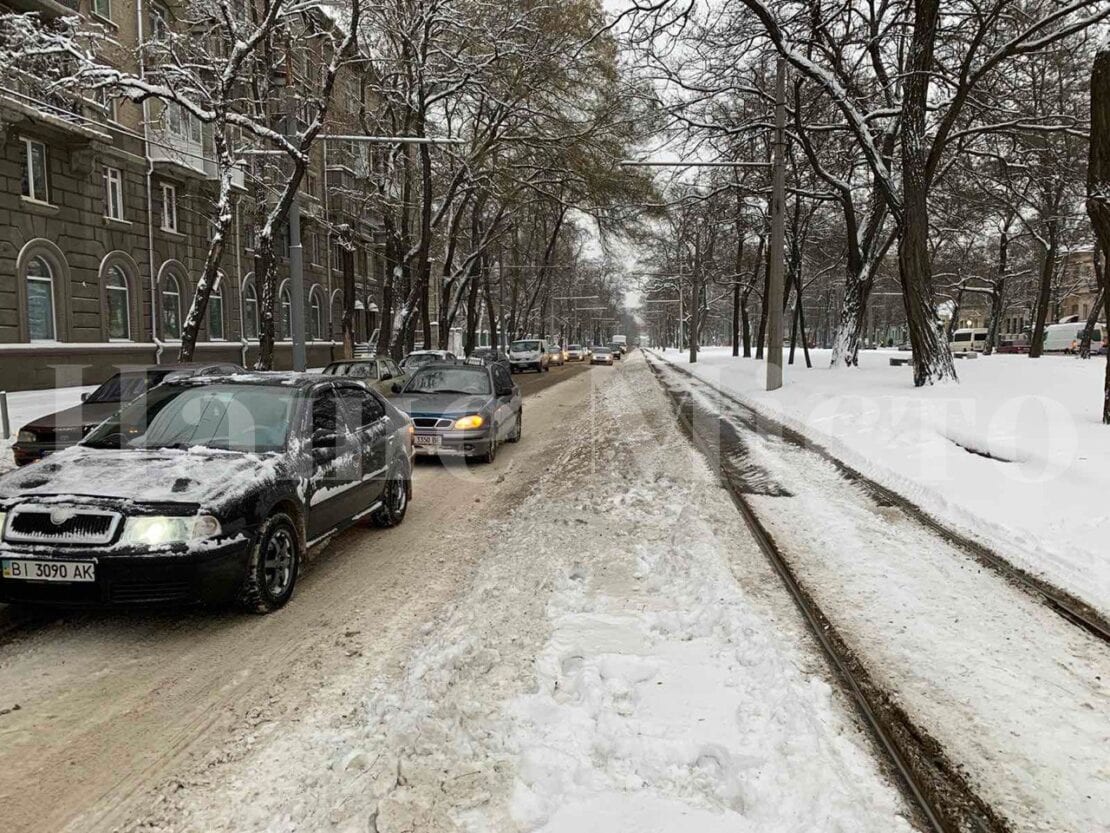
(1078, 285)
(104, 228)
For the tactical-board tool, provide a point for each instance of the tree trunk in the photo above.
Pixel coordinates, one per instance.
(998, 293)
(347, 268)
(932, 360)
(762, 337)
(1098, 182)
(1044, 293)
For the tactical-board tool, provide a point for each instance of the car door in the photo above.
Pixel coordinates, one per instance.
(332, 470)
(369, 426)
(507, 399)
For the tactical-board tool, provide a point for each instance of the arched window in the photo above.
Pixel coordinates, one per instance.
(119, 304)
(250, 311)
(216, 311)
(40, 300)
(315, 315)
(171, 308)
(286, 305)
(337, 315)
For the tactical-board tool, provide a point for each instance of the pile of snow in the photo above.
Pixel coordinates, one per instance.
(1014, 455)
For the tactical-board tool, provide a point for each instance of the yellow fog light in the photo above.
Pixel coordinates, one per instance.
(469, 422)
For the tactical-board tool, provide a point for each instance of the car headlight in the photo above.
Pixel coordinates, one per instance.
(158, 530)
(469, 422)
(26, 437)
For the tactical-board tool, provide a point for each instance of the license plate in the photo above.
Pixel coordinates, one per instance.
(28, 570)
(427, 439)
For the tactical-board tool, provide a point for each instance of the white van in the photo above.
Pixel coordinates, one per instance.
(964, 340)
(1064, 338)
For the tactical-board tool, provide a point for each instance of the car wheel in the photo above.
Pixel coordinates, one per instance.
(490, 453)
(395, 501)
(273, 566)
(515, 436)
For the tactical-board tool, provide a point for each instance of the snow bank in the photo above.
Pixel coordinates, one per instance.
(1015, 455)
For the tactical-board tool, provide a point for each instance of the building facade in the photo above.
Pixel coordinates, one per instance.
(105, 222)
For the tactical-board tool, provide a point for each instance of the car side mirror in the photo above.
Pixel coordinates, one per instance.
(396, 387)
(323, 438)
(84, 397)
(505, 391)
(387, 376)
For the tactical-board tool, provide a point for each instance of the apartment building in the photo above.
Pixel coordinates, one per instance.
(105, 210)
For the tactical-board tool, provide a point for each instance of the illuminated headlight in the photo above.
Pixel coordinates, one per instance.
(158, 530)
(469, 422)
(26, 437)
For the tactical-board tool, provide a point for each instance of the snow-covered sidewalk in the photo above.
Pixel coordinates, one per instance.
(624, 660)
(1039, 499)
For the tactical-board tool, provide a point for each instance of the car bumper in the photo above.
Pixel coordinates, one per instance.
(453, 443)
(601, 361)
(210, 576)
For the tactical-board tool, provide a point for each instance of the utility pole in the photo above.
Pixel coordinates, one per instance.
(778, 236)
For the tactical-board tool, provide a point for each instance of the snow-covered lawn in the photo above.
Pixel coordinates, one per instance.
(24, 406)
(1039, 498)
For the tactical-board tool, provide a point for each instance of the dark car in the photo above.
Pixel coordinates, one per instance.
(62, 429)
(204, 490)
(462, 409)
(489, 355)
(617, 350)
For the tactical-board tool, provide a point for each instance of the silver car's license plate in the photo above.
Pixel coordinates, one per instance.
(30, 570)
(427, 439)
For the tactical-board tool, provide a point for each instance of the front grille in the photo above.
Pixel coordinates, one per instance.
(61, 525)
(145, 592)
(432, 422)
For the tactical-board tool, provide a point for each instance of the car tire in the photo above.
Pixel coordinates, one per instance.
(490, 454)
(272, 568)
(515, 436)
(395, 500)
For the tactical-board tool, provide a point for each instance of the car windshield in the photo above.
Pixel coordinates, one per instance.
(230, 417)
(524, 346)
(420, 359)
(602, 350)
(123, 387)
(358, 370)
(463, 379)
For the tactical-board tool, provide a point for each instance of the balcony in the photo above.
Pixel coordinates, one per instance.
(179, 143)
(64, 114)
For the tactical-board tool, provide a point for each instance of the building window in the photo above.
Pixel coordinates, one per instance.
(113, 193)
(102, 8)
(34, 171)
(249, 241)
(159, 22)
(315, 317)
(169, 207)
(286, 304)
(250, 312)
(40, 300)
(171, 308)
(109, 103)
(314, 243)
(119, 305)
(216, 312)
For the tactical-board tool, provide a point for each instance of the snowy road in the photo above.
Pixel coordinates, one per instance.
(1017, 697)
(587, 639)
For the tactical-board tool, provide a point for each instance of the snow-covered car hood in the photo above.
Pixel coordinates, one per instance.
(198, 475)
(437, 404)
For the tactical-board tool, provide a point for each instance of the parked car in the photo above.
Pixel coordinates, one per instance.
(577, 353)
(601, 355)
(204, 490)
(62, 429)
(378, 373)
(489, 355)
(462, 409)
(529, 354)
(419, 358)
(616, 350)
(555, 355)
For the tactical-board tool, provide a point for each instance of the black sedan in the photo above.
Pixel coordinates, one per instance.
(466, 410)
(204, 490)
(59, 430)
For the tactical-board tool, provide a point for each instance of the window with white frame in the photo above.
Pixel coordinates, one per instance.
(34, 171)
(216, 312)
(113, 193)
(169, 207)
(286, 306)
(119, 305)
(316, 316)
(171, 308)
(40, 300)
(250, 311)
(102, 8)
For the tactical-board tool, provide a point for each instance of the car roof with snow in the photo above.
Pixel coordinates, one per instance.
(271, 378)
